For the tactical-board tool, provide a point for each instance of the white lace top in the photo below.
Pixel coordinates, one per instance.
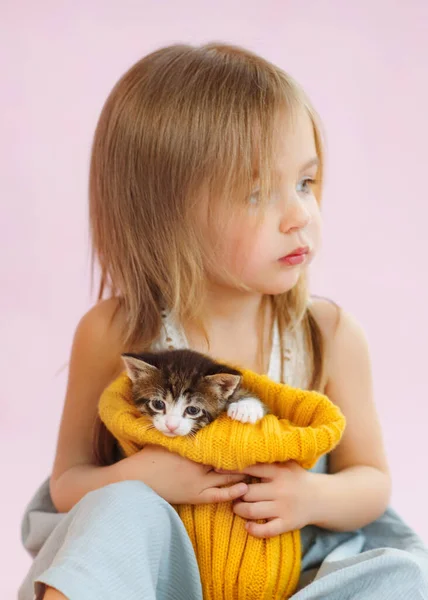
(296, 367)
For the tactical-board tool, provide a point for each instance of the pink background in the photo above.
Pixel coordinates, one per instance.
(365, 66)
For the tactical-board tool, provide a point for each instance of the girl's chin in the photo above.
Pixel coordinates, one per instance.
(281, 285)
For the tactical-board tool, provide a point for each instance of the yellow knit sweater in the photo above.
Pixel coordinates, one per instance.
(302, 427)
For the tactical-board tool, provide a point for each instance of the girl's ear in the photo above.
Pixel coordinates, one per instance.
(137, 368)
(224, 384)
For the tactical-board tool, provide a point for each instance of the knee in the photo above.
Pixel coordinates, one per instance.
(132, 498)
(124, 490)
(129, 511)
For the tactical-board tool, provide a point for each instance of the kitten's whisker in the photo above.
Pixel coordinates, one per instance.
(148, 426)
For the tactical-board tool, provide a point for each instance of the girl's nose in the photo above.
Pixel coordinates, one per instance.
(295, 216)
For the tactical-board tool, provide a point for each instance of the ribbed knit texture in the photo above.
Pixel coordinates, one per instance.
(302, 427)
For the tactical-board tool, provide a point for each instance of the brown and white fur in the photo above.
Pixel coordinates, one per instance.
(182, 391)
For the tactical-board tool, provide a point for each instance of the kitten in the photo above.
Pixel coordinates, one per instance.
(182, 391)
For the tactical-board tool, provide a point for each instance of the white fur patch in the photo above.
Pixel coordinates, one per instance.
(248, 410)
(174, 416)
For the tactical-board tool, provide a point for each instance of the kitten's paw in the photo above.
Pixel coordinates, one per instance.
(249, 410)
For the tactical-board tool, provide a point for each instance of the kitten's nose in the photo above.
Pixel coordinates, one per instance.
(171, 425)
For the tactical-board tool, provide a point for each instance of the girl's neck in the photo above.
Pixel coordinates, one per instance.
(232, 306)
(239, 328)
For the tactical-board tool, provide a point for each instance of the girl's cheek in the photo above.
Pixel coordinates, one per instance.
(260, 252)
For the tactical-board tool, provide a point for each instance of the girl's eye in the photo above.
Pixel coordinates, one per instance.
(254, 198)
(158, 404)
(193, 411)
(305, 185)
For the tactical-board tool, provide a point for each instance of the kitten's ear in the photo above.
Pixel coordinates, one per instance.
(137, 368)
(224, 383)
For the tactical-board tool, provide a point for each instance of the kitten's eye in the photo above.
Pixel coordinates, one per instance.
(193, 411)
(157, 404)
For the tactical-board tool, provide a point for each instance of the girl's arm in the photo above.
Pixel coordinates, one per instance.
(95, 362)
(358, 488)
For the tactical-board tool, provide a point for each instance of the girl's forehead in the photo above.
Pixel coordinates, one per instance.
(294, 146)
(295, 135)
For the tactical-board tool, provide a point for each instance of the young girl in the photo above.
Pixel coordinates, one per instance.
(205, 187)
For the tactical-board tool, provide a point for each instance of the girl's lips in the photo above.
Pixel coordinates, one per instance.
(296, 257)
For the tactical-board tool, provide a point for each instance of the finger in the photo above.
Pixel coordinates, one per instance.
(218, 480)
(225, 471)
(256, 510)
(215, 495)
(258, 492)
(262, 470)
(266, 530)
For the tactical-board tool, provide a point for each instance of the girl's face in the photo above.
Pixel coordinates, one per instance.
(268, 247)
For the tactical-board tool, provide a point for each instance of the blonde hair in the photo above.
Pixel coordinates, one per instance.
(181, 122)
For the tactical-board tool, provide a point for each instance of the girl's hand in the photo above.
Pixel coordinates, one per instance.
(284, 496)
(179, 480)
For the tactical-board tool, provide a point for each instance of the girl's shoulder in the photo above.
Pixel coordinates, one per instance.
(105, 316)
(344, 338)
(102, 327)
(327, 315)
